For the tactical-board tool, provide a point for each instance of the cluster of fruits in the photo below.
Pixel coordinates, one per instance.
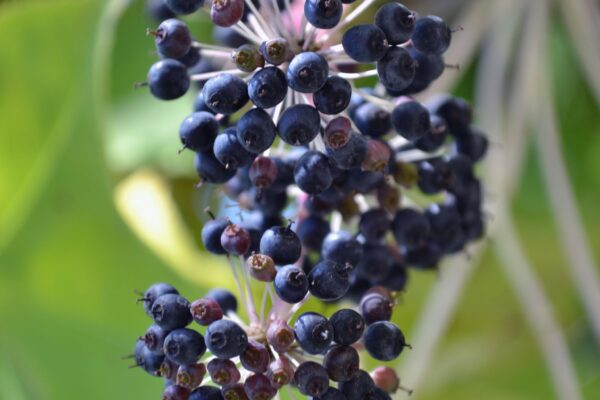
(280, 121)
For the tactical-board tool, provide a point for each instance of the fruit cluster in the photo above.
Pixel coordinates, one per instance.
(254, 361)
(377, 181)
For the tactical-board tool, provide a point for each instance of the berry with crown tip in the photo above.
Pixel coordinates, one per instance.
(176, 392)
(225, 93)
(307, 72)
(154, 338)
(171, 311)
(190, 376)
(226, 13)
(323, 14)
(276, 51)
(299, 124)
(247, 58)
(225, 298)
(255, 357)
(184, 346)
(225, 339)
(223, 372)
(280, 336)
(291, 284)
(311, 379)
(268, 87)
(261, 267)
(281, 244)
(256, 130)
(235, 240)
(258, 387)
(205, 311)
(280, 372)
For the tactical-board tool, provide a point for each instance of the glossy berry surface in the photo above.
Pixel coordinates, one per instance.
(313, 332)
(184, 346)
(173, 39)
(291, 284)
(365, 43)
(168, 79)
(198, 131)
(431, 35)
(384, 341)
(225, 339)
(307, 72)
(324, 14)
(171, 311)
(396, 21)
(299, 124)
(281, 244)
(225, 94)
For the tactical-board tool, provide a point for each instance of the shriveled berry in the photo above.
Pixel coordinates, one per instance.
(281, 372)
(258, 387)
(235, 240)
(226, 13)
(206, 311)
(191, 376)
(223, 372)
(175, 392)
(261, 267)
(276, 51)
(280, 336)
(247, 58)
(255, 357)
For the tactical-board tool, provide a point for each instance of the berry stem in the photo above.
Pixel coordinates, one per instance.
(208, 75)
(239, 286)
(349, 18)
(250, 297)
(357, 75)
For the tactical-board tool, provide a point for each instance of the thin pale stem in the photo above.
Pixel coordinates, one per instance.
(239, 285)
(250, 297)
(362, 7)
(208, 75)
(357, 75)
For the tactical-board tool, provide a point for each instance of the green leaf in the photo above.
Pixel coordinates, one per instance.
(68, 263)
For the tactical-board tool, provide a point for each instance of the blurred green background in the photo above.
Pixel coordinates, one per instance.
(81, 150)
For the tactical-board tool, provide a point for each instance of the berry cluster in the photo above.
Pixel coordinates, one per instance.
(376, 180)
(254, 361)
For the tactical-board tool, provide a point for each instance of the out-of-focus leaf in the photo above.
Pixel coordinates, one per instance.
(68, 263)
